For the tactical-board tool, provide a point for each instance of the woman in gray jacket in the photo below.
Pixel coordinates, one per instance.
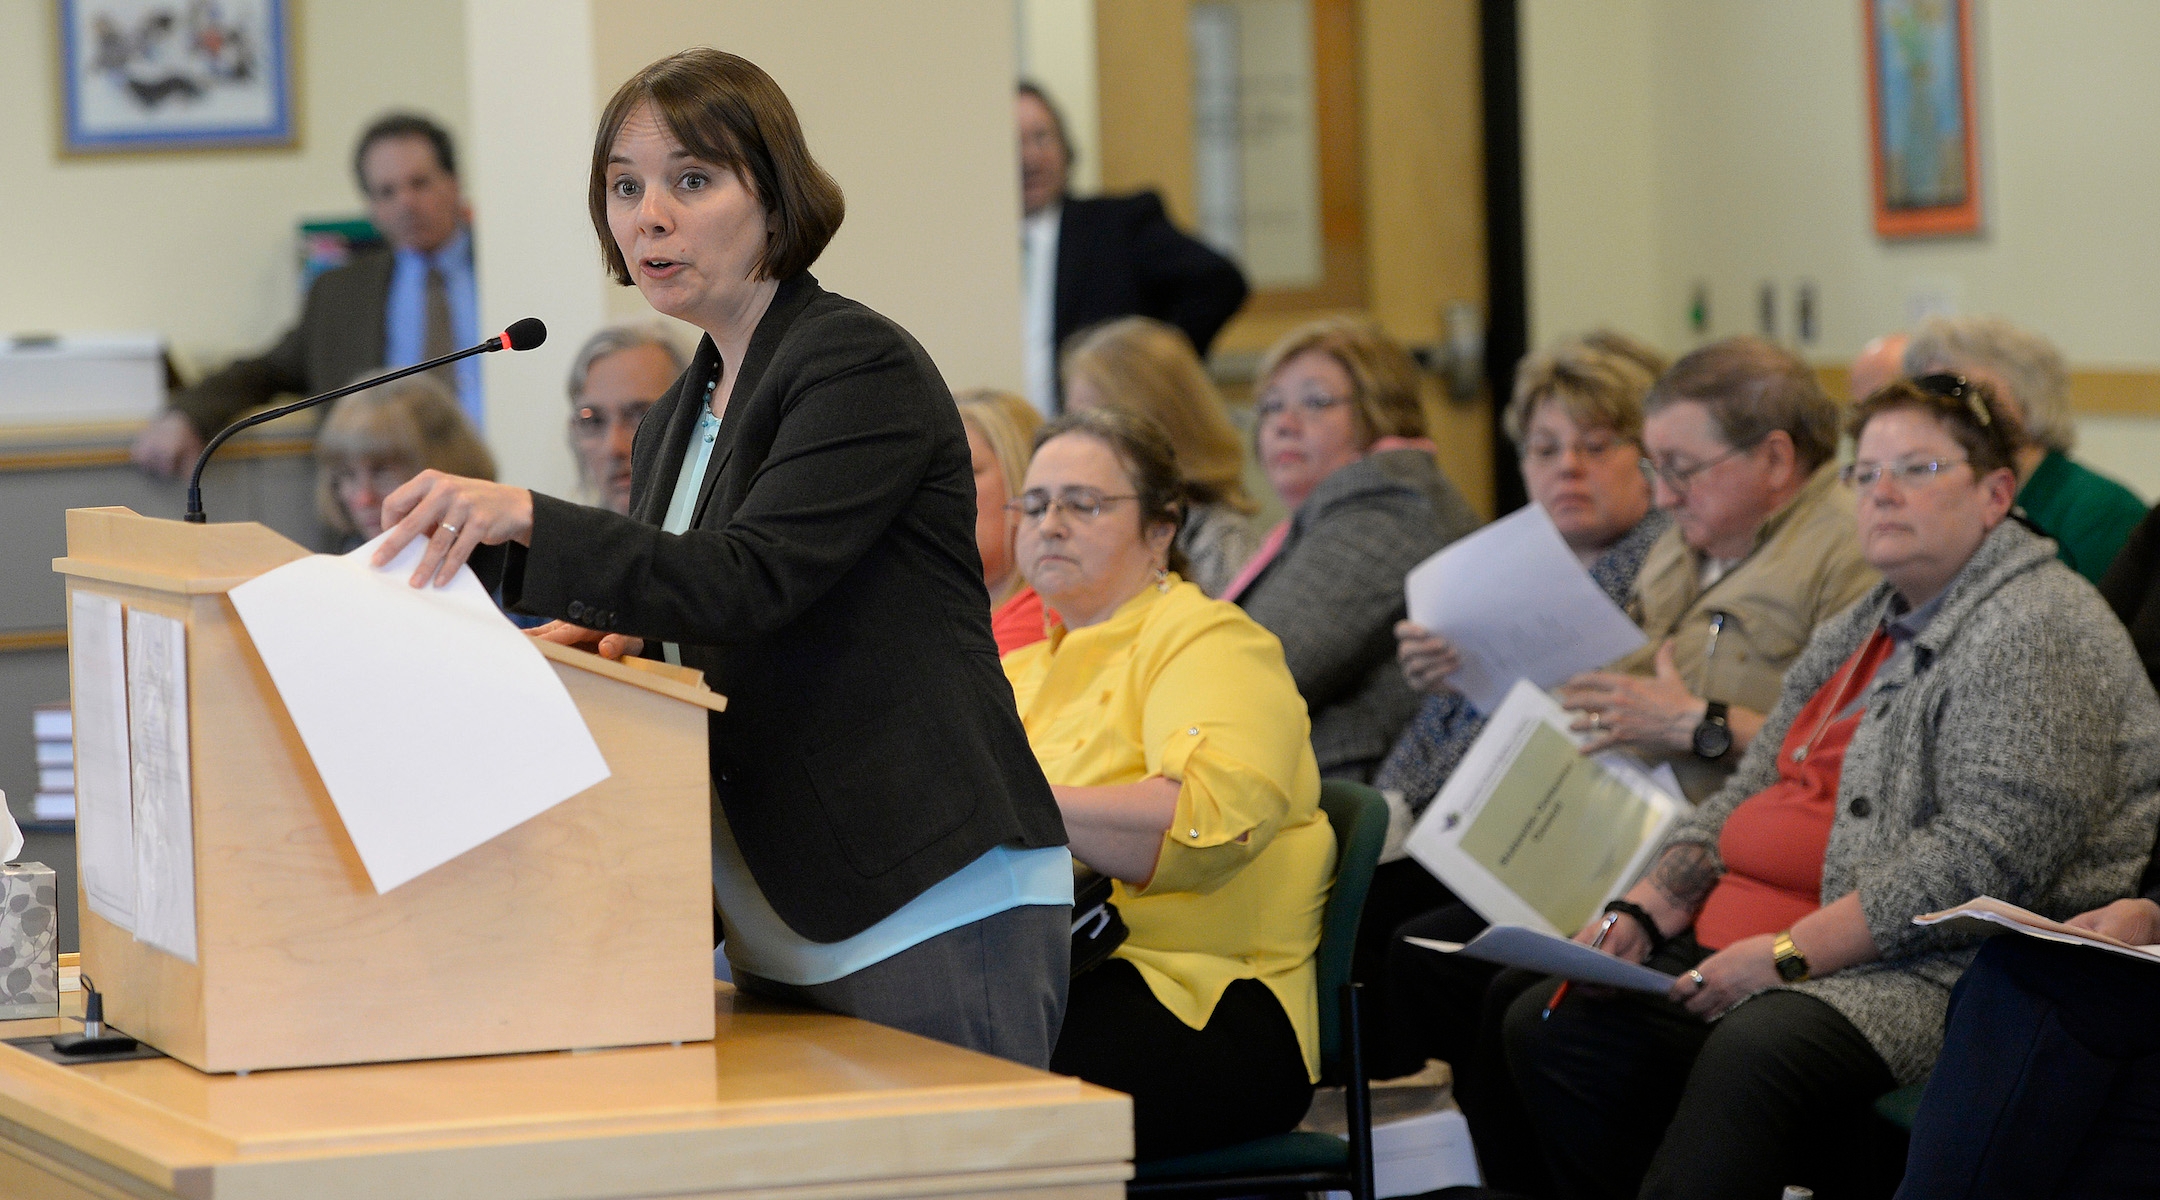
(1341, 436)
(1977, 725)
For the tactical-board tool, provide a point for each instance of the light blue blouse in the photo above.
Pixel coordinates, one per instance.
(758, 941)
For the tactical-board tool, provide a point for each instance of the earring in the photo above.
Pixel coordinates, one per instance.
(1162, 579)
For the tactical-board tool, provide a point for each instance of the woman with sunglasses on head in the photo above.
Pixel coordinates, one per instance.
(1978, 724)
(1175, 742)
(1341, 437)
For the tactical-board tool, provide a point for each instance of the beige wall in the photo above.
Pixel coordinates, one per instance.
(200, 246)
(909, 108)
(1676, 141)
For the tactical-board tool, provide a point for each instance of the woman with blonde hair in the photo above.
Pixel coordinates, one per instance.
(375, 440)
(1146, 366)
(1000, 429)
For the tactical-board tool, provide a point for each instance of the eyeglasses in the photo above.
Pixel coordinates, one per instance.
(1911, 473)
(589, 422)
(1596, 445)
(381, 478)
(1311, 404)
(1079, 503)
(1678, 477)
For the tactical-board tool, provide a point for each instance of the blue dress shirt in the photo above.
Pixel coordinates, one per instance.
(405, 319)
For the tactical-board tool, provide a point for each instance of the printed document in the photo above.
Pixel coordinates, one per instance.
(104, 772)
(1986, 914)
(1529, 831)
(157, 699)
(434, 723)
(1536, 950)
(1517, 604)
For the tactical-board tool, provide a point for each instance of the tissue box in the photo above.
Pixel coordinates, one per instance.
(29, 932)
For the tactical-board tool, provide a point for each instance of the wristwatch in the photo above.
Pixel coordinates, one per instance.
(1713, 735)
(1792, 966)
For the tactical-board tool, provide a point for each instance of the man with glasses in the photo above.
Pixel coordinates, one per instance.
(1740, 440)
(619, 373)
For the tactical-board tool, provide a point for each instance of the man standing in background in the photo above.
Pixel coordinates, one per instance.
(1086, 261)
(414, 301)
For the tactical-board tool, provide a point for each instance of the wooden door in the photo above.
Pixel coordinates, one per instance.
(1416, 150)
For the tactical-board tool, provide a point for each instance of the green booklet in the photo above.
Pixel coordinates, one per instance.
(1529, 831)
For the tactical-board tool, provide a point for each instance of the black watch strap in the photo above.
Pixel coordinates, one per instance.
(1643, 918)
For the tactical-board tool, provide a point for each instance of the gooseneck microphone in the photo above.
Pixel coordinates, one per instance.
(522, 335)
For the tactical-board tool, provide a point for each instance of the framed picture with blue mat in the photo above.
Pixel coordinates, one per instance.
(164, 75)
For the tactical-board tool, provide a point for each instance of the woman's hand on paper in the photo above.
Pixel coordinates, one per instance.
(1625, 939)
(1728, 977)
(2136, 921)
(606, 645)
(454, 514)
(1427, 658)
(1657, 713)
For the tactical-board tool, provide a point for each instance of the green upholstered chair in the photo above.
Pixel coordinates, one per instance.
(1298, 1162)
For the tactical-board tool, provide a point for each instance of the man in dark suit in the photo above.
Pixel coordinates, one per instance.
(1088, 261)
(395, 306)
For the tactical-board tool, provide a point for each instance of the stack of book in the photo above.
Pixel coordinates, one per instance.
(53, 725)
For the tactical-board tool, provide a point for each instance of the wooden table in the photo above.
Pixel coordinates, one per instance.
(784, 1103)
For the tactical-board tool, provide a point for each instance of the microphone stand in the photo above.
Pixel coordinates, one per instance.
(195, 514)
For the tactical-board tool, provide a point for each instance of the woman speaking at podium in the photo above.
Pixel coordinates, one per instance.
(801, 529)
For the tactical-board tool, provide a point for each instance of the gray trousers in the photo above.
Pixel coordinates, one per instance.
(997, 985)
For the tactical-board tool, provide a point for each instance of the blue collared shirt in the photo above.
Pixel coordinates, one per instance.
(405, 317)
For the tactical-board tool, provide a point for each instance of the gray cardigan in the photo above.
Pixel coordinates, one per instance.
(1335, 590)
(2013, 752)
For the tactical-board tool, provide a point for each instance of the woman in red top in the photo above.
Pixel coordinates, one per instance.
(1977, 724)
(1000, 428)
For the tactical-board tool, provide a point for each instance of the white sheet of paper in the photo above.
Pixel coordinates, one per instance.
(434, 723)
(1517, 604)
(104, 774)
(1987, 914)
(1568, 833)
(1536, 950)
(157, 693)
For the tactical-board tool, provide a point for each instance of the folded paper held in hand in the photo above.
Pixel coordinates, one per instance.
(1517, 604)
(1529, 831)
(1551, 954)
(1987, 915)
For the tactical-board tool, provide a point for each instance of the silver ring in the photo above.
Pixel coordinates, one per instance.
(452, 528)
(1696, 976)
(1597, 721)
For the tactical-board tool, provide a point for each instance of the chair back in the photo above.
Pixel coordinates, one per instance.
(1359, 817)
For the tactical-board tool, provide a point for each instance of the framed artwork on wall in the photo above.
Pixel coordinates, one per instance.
(1920, 106)
(152, 75)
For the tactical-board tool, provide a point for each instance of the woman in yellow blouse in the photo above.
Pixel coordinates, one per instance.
(1177, 745)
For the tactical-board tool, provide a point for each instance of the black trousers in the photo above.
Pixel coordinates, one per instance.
(1398, 1016)
(1240, 1078)
(1628, 1094)
(2049, 1080)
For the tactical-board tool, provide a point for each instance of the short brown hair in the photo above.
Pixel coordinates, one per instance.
(414, 423)
(1596, 389)
(1383, 381)
(1149, 459)
(1145, 365)
(1968, 410)
(1753, 389)
(727, 111)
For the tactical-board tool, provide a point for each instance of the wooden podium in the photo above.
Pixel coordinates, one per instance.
(589, 925)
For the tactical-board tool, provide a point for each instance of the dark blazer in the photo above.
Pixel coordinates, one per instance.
(340, 334)
(1335, 590)
(1119, 256)
(830, 587)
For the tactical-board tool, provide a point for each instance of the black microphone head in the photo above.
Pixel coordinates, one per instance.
(526, 334)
